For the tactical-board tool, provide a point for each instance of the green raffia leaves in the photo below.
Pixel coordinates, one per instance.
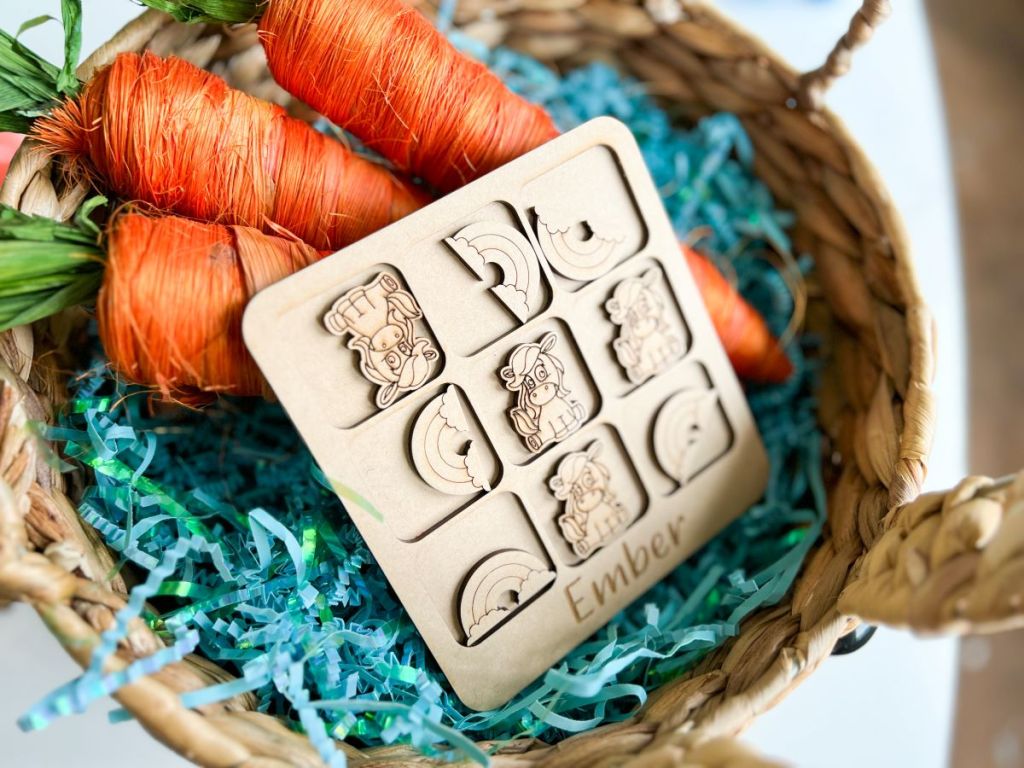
(216, 11)
(28, 83)
(16, 225)
(71, 15)
(33, 23)
(31, 86)
(46, 266)
(14, 123)
(35, 256)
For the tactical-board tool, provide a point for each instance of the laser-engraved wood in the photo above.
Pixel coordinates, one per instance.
(678, 430)
(579, 249)
(445, 456)
(497, 588)
(593, 515)
(647, 343)
(545, 410)
(488, 242)
(528, 452)
(380, 319)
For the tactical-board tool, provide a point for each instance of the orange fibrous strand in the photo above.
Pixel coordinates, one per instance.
(170, 308)
(382, 71)
(754, 352)
(164, 132)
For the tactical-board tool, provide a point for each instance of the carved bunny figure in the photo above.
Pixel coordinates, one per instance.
(545, 410)
(593, 516)
(380, 318)
(646, 345)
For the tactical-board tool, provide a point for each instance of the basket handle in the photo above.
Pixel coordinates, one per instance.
(950, 562)
(815, 83)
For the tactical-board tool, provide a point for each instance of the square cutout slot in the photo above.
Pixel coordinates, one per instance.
(584, 217)
(484, 567)
(447, 463)
(586, 494)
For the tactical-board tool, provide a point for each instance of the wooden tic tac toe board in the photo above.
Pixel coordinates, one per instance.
(520, 398)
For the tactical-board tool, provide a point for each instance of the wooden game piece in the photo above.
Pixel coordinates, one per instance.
(647, 344)
(678, 430)
(490, 242)
(440, 433)
(593, 515)
(577, 257)
(499, 586)
(545, 410)
(380, 318)
(538, 452)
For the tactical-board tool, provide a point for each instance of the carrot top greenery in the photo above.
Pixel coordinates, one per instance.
(216, 11)
(29, 85)
(46, 266)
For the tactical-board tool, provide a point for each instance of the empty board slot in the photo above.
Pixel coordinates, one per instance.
(584, 217)
(586, 494)
(484, 567)
(427, 459)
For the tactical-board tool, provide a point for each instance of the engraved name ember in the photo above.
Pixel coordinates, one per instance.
(592, 593)
(520, 400)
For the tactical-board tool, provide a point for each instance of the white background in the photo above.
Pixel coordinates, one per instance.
(889, 703)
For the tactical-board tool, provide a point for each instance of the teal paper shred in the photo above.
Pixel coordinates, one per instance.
(93, 683)
(275, 582)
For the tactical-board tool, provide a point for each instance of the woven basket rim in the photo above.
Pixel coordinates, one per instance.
(735, 683)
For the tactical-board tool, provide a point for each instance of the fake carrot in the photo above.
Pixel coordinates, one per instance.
(176, 323)
(754, 353)
(165, 132)
(171, 291)
(381, 70)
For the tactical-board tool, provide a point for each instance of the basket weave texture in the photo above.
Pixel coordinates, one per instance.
(943, 562)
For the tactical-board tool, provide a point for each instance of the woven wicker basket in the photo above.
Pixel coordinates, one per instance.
(942, 562)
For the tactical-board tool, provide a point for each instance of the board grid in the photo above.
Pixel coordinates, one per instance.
(522, 382)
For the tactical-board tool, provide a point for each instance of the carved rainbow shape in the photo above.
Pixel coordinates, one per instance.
(439, 433)
(497, 587)
(679, 426)
(492, 242)
(578, 258)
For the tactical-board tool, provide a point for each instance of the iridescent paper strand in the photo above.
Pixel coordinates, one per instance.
(278, 585)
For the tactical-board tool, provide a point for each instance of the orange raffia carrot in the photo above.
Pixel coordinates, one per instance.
(754, 352)
(164, 132)
(174, 290)
(381, 70)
